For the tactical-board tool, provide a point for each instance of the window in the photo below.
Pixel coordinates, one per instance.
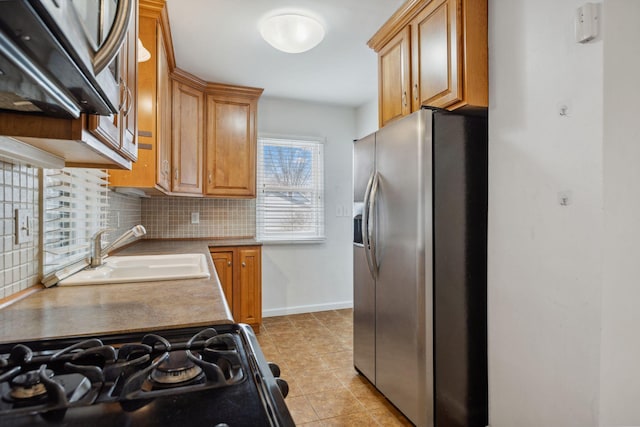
(75, 208)
(290, 203)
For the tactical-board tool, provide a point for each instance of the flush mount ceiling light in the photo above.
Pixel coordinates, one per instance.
(292, 33)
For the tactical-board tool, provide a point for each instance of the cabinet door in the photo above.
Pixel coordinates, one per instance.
(163, 104)
(187, 139)
(394, 81)
(223, 262)
(129, 125)
(231, 147)
(119, 130)
(436, 40)
(247, 295)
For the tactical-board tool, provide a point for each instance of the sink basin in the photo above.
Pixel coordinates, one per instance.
(142, 268)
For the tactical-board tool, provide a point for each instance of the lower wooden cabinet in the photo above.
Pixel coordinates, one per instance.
(239, 270)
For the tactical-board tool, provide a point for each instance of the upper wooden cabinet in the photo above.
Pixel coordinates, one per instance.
(231, 141)
(152, 172)
(447, 40)
(197, 138)
(188, 138)
(394, 78)
(163, 126)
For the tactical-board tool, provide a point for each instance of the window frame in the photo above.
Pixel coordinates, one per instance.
(317, 188)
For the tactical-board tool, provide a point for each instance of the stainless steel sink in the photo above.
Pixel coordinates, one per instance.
(142, 268)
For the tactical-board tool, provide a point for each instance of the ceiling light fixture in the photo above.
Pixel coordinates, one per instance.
(143, 53)
(292, 33)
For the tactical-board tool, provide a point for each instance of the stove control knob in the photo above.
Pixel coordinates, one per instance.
(283, 386)
(275, 369)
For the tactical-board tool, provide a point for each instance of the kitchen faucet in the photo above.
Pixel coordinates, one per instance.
(99, 252)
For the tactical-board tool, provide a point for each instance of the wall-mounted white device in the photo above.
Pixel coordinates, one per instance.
(587, 22)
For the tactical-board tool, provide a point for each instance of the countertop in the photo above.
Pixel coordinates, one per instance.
(69, 311)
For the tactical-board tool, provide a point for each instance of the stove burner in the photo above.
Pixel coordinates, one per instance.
(135, 379)
(28, 385)
(175, 369)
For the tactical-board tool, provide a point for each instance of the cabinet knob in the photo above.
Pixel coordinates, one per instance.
(229, 264)
(244, 264)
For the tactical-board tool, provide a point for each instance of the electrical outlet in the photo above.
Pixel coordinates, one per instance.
(195, 217)
(23, 226)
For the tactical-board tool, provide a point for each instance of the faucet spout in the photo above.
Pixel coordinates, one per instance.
(99, 252)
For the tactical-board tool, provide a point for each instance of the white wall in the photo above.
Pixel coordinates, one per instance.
(545, 260)
(302, 278)
(367, 118)
(620, 355)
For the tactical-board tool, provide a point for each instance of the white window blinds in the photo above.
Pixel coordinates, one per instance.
(290, 202)
(75, 208)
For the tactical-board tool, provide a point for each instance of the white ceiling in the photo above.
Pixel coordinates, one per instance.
(219, 41)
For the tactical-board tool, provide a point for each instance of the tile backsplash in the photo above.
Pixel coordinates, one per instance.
(19, 263)
(124, 213)
(171, 217)
(163, 217)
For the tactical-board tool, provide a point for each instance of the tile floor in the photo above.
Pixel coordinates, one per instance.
(315, 355)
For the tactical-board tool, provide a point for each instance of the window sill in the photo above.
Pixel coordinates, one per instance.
(294, 242)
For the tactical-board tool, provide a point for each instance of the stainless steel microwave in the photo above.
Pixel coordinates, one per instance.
(59, 57)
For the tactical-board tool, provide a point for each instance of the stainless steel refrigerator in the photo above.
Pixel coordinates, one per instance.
(420, 239)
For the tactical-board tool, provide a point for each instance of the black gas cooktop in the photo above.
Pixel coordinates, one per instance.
(214, 376)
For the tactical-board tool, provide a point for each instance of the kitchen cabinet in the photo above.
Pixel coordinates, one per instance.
(188, 138)
(394, 78)
(163, 127)
(239, 270)
(152, 172)
(447, 64)
(231, 141)
(223, 261)
(120, 130)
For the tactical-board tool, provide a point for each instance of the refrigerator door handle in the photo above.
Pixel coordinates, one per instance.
(366, 214)
(372, 237)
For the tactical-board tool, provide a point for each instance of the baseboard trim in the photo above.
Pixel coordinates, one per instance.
(306, 308)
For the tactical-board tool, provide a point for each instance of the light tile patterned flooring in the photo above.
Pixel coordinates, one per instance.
(315, 355)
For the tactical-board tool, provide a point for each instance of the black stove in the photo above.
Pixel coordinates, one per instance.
(214, 376)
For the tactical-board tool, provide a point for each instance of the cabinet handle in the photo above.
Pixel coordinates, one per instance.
(244, 264)
(415, 91)
(176, 174)
(404, 98)
(210, 178)
(129, 101)
(229, 264)
(122, 95)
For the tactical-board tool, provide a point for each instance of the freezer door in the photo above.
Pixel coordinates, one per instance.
(364, 299)
(363, 282)
(403, 238)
